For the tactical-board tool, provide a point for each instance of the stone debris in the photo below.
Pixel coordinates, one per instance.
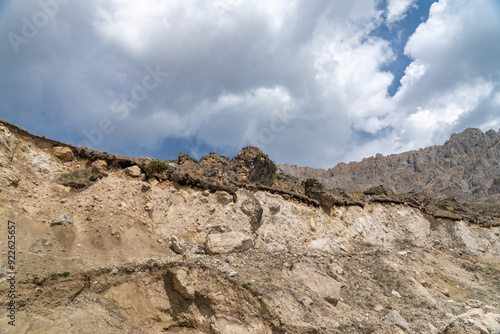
(396, 318)
(484, 323)
(224, 198)
(145, 186)
(64, 220)
(395, 294)
(274, 247)
(446, 292)
(274, 208)
(14, 179)
(224, 268)
(306, 301)
(474, 303)
(149, 206)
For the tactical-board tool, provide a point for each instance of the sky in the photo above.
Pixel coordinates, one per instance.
(310, 82)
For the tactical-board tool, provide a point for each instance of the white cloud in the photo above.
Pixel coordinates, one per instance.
(397, 9)
(448, 85)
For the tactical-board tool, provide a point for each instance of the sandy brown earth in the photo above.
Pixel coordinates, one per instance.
(149, 255)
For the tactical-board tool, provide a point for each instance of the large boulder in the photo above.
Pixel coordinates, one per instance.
(133, 171)
(64, 153)
(228, 243)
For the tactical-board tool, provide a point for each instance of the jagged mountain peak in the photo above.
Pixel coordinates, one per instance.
(466, 166)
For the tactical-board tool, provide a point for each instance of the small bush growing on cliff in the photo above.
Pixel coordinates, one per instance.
(156, 167)
(274, 168)
(309, 183)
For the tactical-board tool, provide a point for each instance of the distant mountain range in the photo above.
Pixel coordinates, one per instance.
(467, 167)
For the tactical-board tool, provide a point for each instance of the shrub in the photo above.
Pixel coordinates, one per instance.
(156, 167)
(309, 183)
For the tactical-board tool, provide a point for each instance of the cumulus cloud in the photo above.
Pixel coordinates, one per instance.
(453, 73)
(397, 9)
(302, 80)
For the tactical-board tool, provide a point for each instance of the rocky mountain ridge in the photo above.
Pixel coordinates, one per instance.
(467, 167)
(111, 244)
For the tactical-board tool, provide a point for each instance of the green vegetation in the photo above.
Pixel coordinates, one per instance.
(274, 168)
(310, 183)
(156, 167)
(64, 274)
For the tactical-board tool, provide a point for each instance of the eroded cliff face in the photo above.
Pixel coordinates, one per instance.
(115, 252)
(466, 166)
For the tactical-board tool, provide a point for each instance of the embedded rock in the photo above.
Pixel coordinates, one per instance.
(178, 245)
(252, 208)
(224, 198)
(184, 281)
(227, 243)
(325, 286)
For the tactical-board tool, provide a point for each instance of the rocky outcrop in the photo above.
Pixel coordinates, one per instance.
(253, 166)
